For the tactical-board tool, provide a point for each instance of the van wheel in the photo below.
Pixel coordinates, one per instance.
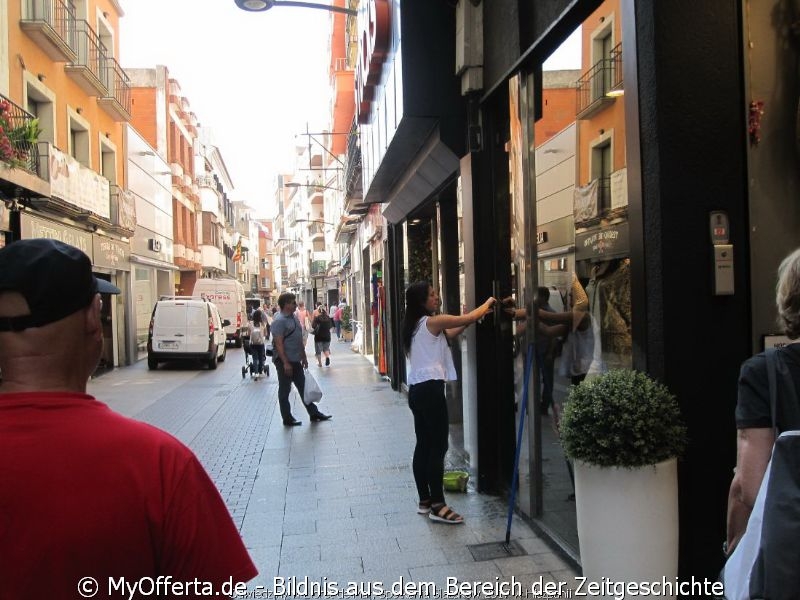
(224, 351)
(152, 363)
(212, 362)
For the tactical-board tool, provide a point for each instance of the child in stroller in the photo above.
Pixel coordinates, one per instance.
(259, 332)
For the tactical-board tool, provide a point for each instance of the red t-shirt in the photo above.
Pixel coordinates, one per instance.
(86, 492)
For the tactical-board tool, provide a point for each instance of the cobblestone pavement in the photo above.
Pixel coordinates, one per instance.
(334, 499)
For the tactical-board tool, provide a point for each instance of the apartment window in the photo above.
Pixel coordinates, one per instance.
(602, 44)
(602, 166)
(108, 160)
(79, 143)
(40, 102)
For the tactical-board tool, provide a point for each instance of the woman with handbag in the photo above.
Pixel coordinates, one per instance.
(755, 422)
(321, 330)
(425, 337)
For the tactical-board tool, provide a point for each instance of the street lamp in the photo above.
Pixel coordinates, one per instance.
(293, 184)
(262, 5)
(320, 221)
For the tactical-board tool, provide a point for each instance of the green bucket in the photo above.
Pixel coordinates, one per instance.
(456, 481)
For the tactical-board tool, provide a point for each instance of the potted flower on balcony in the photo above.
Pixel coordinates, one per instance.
(16, 141)
(624, 432)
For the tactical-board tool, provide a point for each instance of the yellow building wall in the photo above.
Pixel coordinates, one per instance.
(25, 56)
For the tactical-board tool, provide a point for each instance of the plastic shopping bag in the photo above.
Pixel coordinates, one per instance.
(312, 391)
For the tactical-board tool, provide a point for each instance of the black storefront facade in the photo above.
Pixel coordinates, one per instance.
(688, 153)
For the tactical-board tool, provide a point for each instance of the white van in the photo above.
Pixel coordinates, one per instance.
(228, 295)
(184, 328)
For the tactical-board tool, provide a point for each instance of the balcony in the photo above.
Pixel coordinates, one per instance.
(353, 185)
(89, 69)
(123, 211)
(600, 85)
(20, 171)
(51, 25)
(118, 103)
(319, 268)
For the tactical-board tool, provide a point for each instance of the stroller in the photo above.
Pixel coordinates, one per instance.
(251, 365)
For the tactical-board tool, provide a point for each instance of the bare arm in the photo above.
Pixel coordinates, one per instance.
(439, 323)
(753, 448)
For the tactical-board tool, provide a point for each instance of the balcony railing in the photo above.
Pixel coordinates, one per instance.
(89, 70)
(118, 101)
(596, 87)
(352, 170)
(51, 24)
(18, 127)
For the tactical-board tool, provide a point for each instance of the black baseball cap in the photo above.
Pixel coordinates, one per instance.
(55, 278)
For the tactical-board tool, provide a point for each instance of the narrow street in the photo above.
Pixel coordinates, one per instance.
(334, 499)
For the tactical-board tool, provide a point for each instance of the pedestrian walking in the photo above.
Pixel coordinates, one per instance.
(290, 359)
(425, 336)
(259, 333)
(321, 328)
(305, 320)
(87, 494)
(337, 321)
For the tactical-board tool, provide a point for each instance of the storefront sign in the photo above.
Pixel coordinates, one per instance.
(609, 242)
(33, 227)
(112, 254)
(73, 183)
(374, 43)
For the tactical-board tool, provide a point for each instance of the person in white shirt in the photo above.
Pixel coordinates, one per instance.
(425, 337)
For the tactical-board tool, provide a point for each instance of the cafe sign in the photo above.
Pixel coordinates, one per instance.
(33, 227)
(111, 254)
(608, 242)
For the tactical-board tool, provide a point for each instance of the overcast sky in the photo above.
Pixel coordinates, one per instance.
(255, 79)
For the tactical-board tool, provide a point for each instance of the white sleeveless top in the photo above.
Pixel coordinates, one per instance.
(430, 356)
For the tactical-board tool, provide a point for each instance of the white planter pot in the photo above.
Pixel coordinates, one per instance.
(628, 522)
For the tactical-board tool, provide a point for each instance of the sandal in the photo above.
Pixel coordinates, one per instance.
(424, 507)
(444, 514)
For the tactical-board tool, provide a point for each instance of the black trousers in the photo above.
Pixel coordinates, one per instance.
(429, 407)
(285, 387)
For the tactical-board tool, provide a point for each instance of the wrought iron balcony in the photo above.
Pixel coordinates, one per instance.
(599, 85)
(89, 70)
(117, 102)
(19, 134)
(352, 174)
(51, 24)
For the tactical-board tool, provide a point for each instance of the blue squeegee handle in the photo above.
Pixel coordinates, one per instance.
(515, 480)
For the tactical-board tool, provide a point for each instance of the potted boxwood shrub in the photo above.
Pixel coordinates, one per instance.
(347, 324)
(624, 432)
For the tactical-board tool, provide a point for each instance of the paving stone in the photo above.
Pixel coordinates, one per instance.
(334, 499)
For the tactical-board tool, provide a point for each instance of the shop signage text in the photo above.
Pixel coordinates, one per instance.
(374, 42)
(608, 242)
(39, 228)
(110, 253)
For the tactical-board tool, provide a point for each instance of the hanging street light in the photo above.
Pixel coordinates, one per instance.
(262, 5)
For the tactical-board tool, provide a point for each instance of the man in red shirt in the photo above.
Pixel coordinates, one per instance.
(92, 504)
